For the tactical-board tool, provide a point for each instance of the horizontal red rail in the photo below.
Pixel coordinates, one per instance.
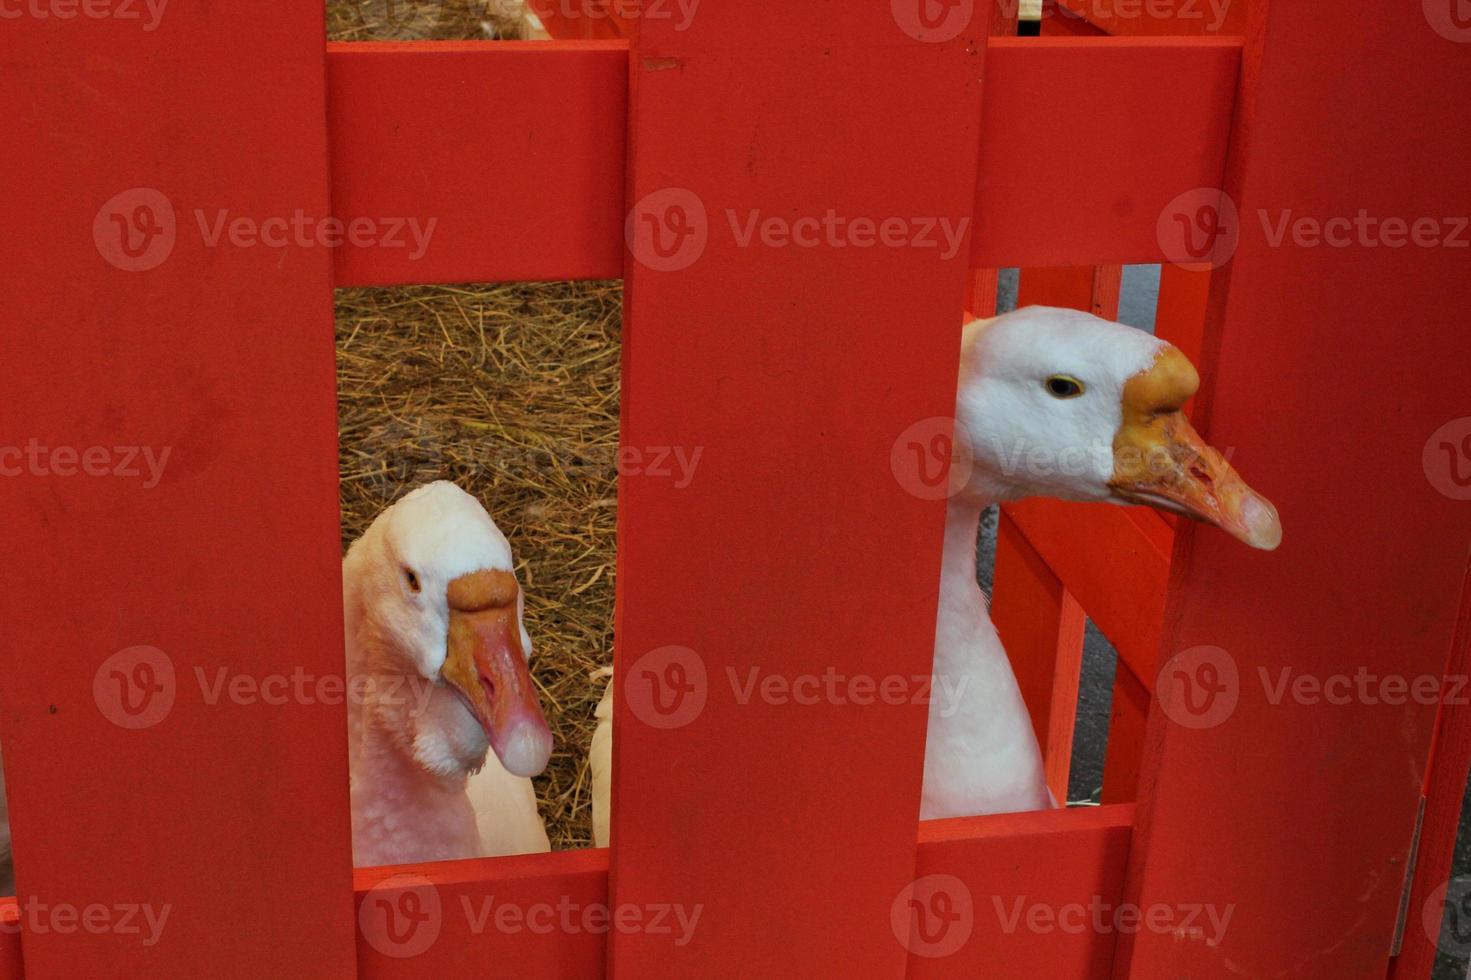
(508, 156)
(543, 915)
(515, 152)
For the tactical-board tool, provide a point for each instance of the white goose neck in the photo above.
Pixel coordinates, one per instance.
(958, 565)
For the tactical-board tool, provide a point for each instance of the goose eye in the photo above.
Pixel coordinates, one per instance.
(1062, 386)
(411, 580)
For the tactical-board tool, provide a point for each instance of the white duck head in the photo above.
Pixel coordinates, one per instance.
(433, 584)
(1060, 403)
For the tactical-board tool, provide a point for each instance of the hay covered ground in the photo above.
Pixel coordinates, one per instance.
(511, 391)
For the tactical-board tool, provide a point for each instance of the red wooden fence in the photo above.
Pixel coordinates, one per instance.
(792, 830)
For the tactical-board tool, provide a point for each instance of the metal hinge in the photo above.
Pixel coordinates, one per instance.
(1404, 899)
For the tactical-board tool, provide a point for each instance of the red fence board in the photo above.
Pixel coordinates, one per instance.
(1087, 140)
(1042, 625)
(794, 370)
(508, 154)
(543, 915)
(516, 151)
(1021, 884)
(1157, 17)
(1033, 887)
(132, 588)
(1311, 838)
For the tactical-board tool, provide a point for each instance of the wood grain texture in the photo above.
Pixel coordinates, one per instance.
(1371, 570)
(137, 782)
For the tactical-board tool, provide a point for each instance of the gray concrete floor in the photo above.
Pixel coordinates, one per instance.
(1136, 307)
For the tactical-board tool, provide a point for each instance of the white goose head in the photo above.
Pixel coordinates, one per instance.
(1060, 403)
(436, 585)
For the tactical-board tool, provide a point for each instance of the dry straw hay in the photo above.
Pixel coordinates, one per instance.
(511, 391)
(427, 20)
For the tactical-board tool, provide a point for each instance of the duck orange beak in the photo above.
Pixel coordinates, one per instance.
(487, 666)
(1161, 461)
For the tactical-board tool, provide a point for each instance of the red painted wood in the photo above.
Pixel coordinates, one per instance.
(1180, 315)
(591, 19)
(1157, 17)
(1030, 882)
(794, 370)
(227, 560)
(1041, 625)
(1371, 567)
(414, 134)
(544, 915)
(1128, 721)
(1115, 563)
(1085, 181)
(1061, 21)
(1092, 289)
(11, 964)
(1445, 789)
(514, 150)
(980, 297)
(1066, 286)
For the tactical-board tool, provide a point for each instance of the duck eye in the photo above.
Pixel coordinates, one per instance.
(411, 580)
(1062, 386)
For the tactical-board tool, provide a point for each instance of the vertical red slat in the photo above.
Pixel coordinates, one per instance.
(1370, 570)
(1179, 316)
(1444, 793)
(1042, 626)
(136, 785)
(794, 551)
(1128, 717)
(1092, 289)
(980, 296)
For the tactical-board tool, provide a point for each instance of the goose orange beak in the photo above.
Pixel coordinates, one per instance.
(1161, 461)
(486, 664)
